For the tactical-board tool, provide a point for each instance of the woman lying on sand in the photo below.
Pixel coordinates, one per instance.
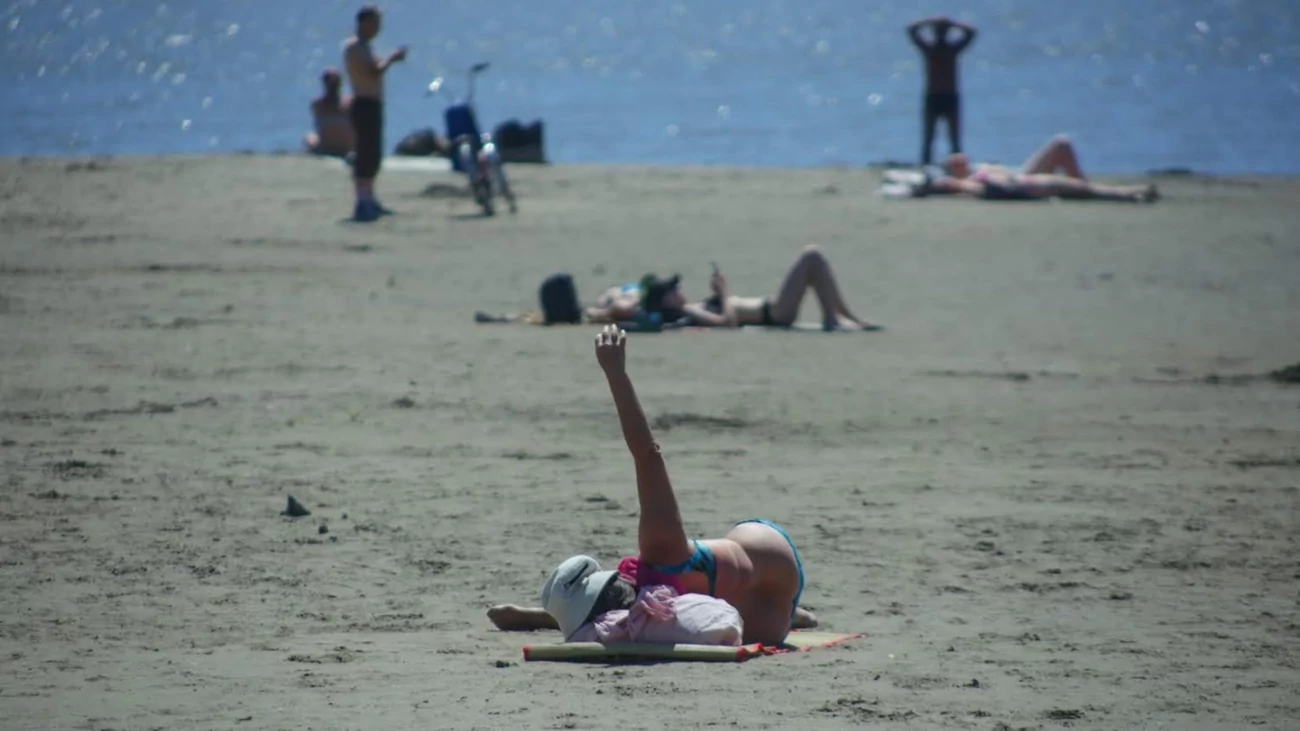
(755, 568)
(1051, 172)
(663, 297)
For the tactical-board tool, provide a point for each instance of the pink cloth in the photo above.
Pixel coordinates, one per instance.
(631, 569)
(661, 615)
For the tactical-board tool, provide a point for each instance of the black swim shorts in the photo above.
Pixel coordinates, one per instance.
(368, 125)
(941, 106)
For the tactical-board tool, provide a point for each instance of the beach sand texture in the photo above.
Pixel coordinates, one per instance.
(1056, 491)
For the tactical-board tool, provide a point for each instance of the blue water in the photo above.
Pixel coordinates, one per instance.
(1213, 85)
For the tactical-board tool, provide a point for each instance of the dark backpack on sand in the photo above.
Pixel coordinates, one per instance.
(559, 299)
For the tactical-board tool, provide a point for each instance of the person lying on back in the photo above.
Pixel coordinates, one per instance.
(662, 300)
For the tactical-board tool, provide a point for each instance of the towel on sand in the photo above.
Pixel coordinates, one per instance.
(632, 652)
(898, 183)
(533, 317)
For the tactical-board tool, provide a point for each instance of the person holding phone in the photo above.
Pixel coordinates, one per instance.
(366, 75)
(663, 298)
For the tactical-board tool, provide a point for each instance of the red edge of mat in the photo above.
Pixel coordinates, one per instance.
(833, 643)
(747, 652)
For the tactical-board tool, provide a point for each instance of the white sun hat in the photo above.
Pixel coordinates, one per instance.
(572, 591)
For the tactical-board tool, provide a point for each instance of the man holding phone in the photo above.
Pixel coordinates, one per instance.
(366, 75)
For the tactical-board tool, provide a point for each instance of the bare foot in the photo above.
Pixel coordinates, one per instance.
(508, 617)
(803, 619)
(511, 618)
(843, 322)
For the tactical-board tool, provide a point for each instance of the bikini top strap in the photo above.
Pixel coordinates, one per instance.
(702, 560)
(690, 564)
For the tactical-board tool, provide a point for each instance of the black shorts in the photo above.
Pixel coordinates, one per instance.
(368, 126)
(941, 105)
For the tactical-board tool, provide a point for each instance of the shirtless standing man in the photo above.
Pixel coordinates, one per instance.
(941, 96)
(366, 74)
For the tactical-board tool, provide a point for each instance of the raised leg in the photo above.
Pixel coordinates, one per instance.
(1057, 155)
(813, 270)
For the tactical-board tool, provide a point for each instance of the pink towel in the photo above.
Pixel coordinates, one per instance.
(631, 569)
(661, 615)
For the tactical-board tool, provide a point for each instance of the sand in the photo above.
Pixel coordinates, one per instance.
(1054, 492)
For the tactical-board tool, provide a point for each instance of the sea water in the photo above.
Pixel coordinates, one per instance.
(1211, 85)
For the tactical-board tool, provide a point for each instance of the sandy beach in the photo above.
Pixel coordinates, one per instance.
(1059, 490)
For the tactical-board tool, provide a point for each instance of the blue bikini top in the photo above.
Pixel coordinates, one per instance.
(702, 560)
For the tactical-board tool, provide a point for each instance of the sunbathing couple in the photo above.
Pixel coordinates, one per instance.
(1051, 172)
(742, 588)
(663, 300)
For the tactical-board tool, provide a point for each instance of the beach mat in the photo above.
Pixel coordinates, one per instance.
(529, 318)
(904, 183)
(595, 652)
(397, 164)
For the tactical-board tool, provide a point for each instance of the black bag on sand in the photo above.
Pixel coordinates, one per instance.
(559, 299)
(519, 142)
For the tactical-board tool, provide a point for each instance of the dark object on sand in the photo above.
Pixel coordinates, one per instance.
(1290, 374)
(515, 142)
(527, 317)
(518, 142)
(559, 300)
(1171, 173)
(323, 529)
(487, 318)
(423, 142)
(418, 143)
(295, 509)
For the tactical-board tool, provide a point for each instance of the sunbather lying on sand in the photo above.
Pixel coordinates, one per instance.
(755, 568)
(1051, 172)
(664, 298)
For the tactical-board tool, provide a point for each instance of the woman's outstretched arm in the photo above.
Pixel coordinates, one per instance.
(660, 535)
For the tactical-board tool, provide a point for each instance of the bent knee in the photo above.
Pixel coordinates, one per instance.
(813, 252)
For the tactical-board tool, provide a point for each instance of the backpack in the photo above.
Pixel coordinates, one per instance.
(559, 299)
